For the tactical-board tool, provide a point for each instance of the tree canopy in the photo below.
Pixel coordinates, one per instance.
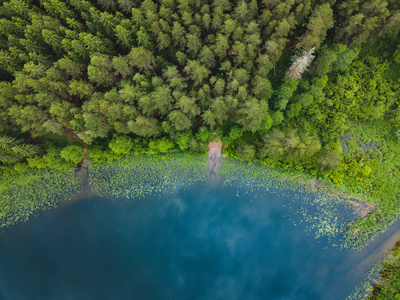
(165, 74)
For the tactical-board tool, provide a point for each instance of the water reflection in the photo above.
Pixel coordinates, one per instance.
(203, 243)
(214, 159)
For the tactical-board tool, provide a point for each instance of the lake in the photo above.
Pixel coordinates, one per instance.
(209, 241)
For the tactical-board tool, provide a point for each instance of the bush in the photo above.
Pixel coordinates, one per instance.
(98, 155)
(121, 145)
(183, 140)
(163, 145)
(72, 154)
(246, 152)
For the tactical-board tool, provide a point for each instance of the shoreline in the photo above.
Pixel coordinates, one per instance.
(215, 145)
(214, 158)
(362, 206)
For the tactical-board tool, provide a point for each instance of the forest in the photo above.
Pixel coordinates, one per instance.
(277, 81)
(309, 86)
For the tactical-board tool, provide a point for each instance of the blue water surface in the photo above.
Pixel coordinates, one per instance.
(202, 243)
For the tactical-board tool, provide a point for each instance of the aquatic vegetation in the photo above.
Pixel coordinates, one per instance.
(382, 280)
(363, 289)
(388, 286)
(152, 77)
(324, 213)
(139, 176)
(23, 195)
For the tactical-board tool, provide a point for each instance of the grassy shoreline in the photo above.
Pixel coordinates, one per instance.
(158, 164)
(388, 286)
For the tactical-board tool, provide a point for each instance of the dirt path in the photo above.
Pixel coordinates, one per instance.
(214, 157)
(82, 171)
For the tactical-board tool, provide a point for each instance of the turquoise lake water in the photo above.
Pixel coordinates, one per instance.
(206, 242)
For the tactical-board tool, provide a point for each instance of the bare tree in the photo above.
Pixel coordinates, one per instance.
(300, 64)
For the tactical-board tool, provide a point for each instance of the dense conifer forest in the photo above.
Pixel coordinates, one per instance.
(176, 74)
(310, 86)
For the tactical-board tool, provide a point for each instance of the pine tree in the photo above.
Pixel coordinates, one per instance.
(179, 121)
(144, 126)
(284, 93)
(252, 114)
(13, 150)
(100, 71)
(319, 23)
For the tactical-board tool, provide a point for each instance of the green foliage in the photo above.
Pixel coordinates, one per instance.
(184, 63)
(329, 161)
(56, 36)
(246, 152)
(284, 93)
(277, 118)
(191, 72)
(253, 114)
(363, 92)
(235, 133)
(144, 126)
(121, 145)
(72, 154)
(183, 140)
(98, 155)
(162, 145)
(37, 162)
(198, 147)
(21, 167)
(13, 150)
(52, 159)
(99, 70)
(205, 135)
(288, 145)
(396, 55)
(388, 286)
(319, 23)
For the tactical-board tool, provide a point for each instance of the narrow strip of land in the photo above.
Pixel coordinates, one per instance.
(214, 157)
